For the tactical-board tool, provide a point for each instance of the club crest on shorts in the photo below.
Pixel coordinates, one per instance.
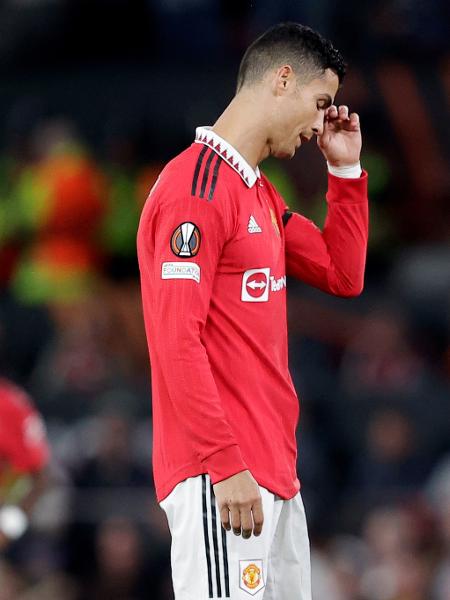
(251, 576)
(185, 240)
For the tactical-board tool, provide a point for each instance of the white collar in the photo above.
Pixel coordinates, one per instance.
(204, 135)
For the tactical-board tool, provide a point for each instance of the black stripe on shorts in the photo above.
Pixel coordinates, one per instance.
(214, 526)
(225, 562)
(205, 534)
(215, 543)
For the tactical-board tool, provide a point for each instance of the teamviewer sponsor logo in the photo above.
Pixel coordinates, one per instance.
(255, 285)
(277, 284)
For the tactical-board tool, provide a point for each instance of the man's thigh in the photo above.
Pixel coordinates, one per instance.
(207, 561)
(289, 559)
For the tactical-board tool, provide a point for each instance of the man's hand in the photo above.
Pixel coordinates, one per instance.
(239, 496)
(341, 140)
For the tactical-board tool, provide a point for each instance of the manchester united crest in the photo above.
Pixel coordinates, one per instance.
(273, 217)
(251, 578)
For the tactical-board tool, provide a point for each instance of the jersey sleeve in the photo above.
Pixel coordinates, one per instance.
(25, 440)
(332, 260)
(183, 241)
(32, 452)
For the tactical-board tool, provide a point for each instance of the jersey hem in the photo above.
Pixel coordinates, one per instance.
(162, 491)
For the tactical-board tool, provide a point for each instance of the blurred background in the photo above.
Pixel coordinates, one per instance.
(95, 96)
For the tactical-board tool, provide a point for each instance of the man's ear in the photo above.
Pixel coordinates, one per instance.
(284, 79)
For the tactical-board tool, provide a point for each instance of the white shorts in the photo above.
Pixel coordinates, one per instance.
(209, 562)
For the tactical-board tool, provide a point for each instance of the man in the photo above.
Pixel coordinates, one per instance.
(215, 243)
(24, 455)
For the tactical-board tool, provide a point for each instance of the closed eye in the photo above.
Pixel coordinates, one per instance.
(324, 103)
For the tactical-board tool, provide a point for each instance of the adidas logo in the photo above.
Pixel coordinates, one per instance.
(253, 226)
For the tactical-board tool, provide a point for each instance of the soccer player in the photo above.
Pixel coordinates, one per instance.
(24, 455)
(215, 243)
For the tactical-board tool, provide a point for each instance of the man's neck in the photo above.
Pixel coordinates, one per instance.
(244, 128)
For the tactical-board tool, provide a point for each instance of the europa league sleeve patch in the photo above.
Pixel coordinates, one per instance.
(185, 240)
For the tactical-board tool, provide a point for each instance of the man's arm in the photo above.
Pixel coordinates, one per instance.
(186, 237)
(332, 260)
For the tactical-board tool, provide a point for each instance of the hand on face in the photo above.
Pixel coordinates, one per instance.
(340, 141)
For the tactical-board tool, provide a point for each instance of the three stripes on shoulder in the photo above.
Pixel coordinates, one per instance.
(202, 191)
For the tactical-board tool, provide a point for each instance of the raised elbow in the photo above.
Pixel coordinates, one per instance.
(352, 292)
(346, 287)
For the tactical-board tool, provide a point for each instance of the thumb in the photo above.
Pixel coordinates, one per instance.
(324, 138)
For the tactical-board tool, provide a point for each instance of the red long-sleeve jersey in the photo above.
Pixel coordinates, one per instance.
(215, 243)
(23, 442)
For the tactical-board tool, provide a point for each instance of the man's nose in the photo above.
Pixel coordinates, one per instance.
(318, 126)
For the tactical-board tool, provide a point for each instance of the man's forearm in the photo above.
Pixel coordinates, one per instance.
(332, 260)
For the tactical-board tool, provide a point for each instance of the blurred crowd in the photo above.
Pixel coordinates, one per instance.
(192, 27)
(373, 373)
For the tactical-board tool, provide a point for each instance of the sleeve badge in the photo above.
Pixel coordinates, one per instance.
(185, 240)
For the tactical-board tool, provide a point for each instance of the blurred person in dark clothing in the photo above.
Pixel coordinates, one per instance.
(349, 558)
(392, 463)
(121, 570)
(113, 463)
(413, 577)
(438, 494)
(24, 332)
(380, 357)
(11, 582)
(382, 366)
(55, 586)
(401, 555)
(97, 351)
(109, 484)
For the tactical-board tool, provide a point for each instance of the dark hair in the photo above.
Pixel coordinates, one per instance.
(289, 43)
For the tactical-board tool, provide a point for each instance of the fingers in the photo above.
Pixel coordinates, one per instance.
(225, 517)
(354, 120)
(246, 523)
(342, 118)
(335, 112)
(332, 112)
(258, 517)
(235, 520)
(246, 518)
(343, 112)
